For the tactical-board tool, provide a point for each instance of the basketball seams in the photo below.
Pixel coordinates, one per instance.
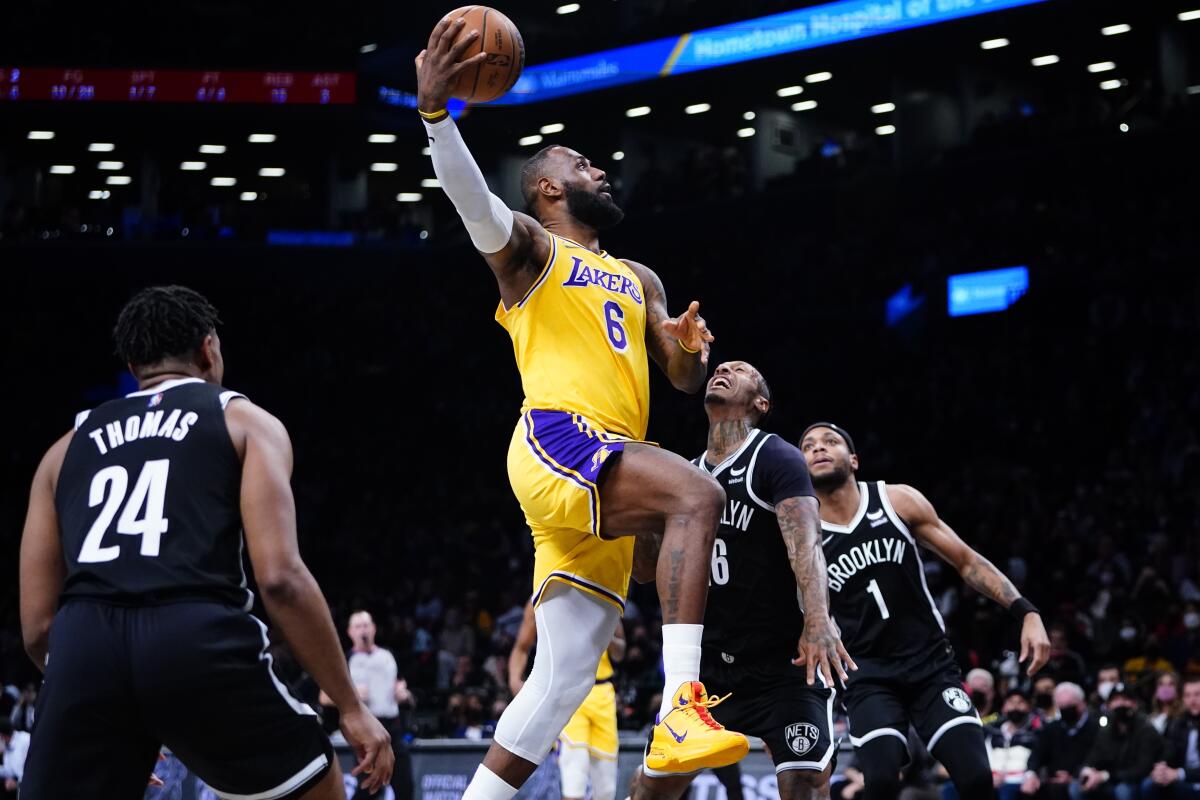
(482, 47)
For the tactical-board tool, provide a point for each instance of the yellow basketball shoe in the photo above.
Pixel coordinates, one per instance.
(688, 739)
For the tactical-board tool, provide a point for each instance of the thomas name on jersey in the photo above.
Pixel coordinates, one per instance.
(860, 556)
(148, 426)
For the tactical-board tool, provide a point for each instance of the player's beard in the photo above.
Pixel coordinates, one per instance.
(594, 209)
(831, 480)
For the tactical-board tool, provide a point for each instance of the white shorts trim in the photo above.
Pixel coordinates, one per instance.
(816, 766)
(933, 740)
(875, 734)
(290, 785)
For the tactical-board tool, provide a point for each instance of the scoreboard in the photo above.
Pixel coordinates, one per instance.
(53, 84)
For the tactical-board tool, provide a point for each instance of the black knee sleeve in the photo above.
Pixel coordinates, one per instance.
(881, 760)
(962, 752)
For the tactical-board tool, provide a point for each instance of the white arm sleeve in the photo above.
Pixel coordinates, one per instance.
(488, 220)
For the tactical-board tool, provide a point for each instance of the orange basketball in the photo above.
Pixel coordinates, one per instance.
(501, 40)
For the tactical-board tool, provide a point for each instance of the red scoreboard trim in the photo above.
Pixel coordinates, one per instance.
(175, 86)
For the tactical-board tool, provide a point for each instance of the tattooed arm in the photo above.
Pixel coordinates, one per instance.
(820, 647)
(976, 571)
(666, 337)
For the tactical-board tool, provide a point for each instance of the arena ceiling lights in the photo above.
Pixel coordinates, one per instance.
(776, 34)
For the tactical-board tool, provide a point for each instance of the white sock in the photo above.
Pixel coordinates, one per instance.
(487, 785)
(681, 660)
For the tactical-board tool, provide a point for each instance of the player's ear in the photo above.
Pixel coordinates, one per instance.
(763, 405)
(854, 462)
(549, 187)
(206, 354)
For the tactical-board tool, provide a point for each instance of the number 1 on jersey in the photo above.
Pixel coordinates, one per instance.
(873, 590)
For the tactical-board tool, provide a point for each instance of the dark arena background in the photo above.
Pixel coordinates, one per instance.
(820, 193)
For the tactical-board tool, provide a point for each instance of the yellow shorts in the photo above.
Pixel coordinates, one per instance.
(555, 460)
(594, 725)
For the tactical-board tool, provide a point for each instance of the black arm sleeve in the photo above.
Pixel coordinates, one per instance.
(780, 472)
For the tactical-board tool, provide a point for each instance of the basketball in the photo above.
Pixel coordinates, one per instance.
(506, 54)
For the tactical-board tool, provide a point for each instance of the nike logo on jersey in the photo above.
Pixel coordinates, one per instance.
(737, 515)
(736, 472)
(678, 738)
(859, 557)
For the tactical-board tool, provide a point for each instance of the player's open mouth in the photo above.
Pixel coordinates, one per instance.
(721, 382)
(822, 461)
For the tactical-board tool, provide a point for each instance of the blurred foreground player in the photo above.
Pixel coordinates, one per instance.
(778, 659)
(583, 325)
(906, 668)
(135, 534)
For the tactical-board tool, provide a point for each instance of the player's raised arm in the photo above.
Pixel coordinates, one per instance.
(976, 571)
(514, 245)
(679, 345)
(290, 593)
(42, 567)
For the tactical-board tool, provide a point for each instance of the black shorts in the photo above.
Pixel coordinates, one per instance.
(772, 700)
(195, 676)
(886, 707)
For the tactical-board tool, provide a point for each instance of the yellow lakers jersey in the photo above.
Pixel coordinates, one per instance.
(605, 669)
(579, 336)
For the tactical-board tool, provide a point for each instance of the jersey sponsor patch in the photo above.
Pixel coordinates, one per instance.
(802, 737)
(957, 699)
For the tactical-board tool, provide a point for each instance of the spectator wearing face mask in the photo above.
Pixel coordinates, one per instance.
(1183, 648)
(1010, 743)
(1124, 753)
(1165, 706)
(981, 687)
(1043, 697)
(1108, 676)
(1177, 777)
(1062, 745)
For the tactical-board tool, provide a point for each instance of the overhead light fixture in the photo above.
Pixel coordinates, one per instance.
(1044, 61)
(697, 108)
(425, 150)
(804, 105)
(993, 44)
(212, 149)
(384, 166)
(248, 197)
(430, 183)
(62, 169)
(618, 155)
(99, 194)
(409, 197)
(749, 115)
(745, 133)
(1109, 85)
(101, 147)
(1188, 16)
(111, 166)
(553, 127)
(382, 138)
(1124, 127)
(192, 166)
(818, 77)
(1193, 90)
(790, 91)
(368, 48)
(637, 111)
(261, 138)
(118, 180)
(1102, 66)
(224, 181)
(883, 108)
(40, 135)
(272, 172)
(525, 141)
(885, 130)
(569, 8)
(1114, 30)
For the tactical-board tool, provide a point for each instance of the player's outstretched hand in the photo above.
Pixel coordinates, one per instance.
(372, 746)
(821, 651)
(1035, 644)
(691, 330)
(438, 64)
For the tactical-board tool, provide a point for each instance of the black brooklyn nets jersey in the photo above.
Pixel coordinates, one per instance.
(148, 499)
(877, 592)
(753, 605)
